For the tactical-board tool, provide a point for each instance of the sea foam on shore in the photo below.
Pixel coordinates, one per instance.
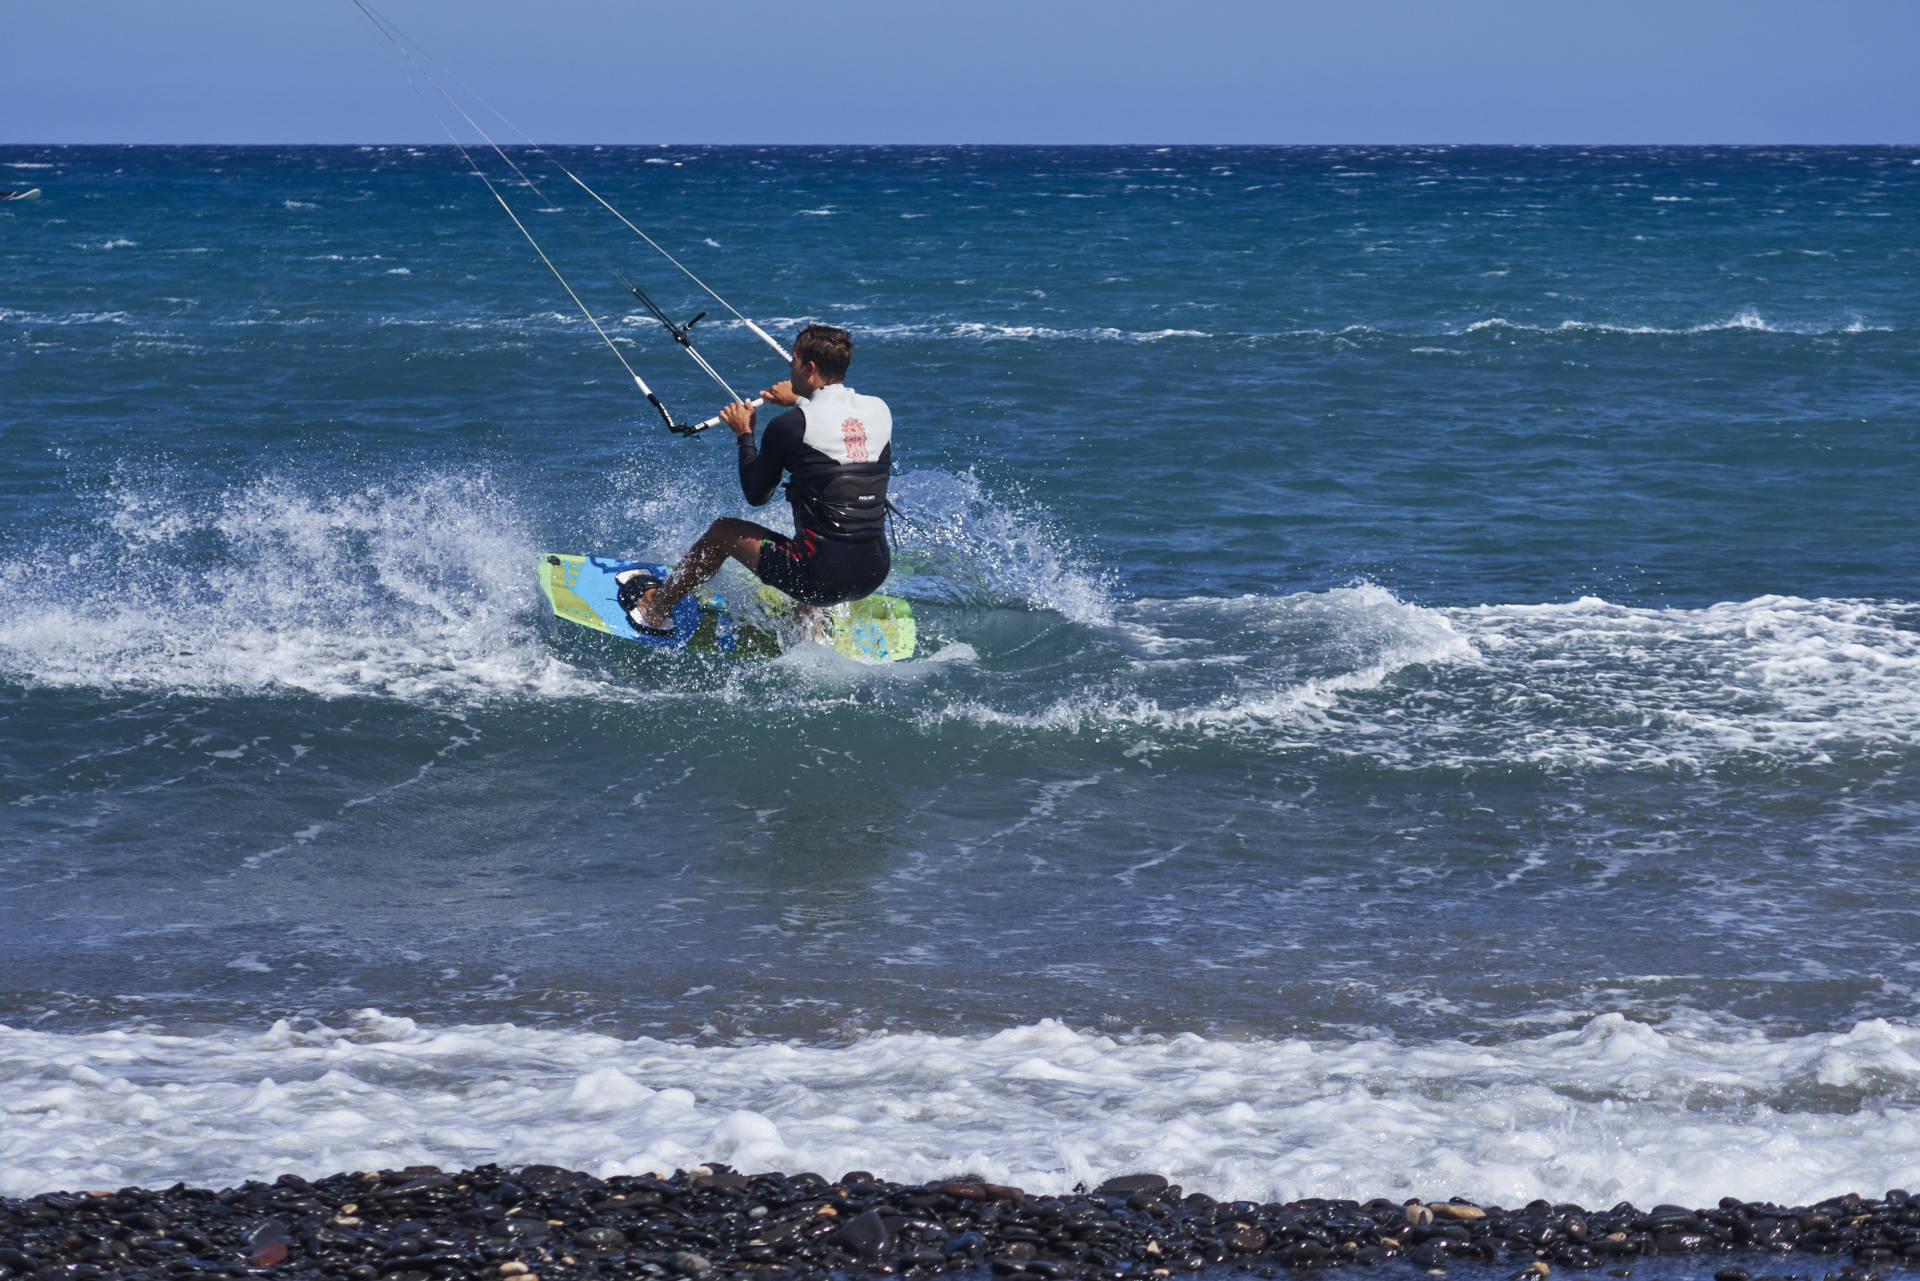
(1612, 1109)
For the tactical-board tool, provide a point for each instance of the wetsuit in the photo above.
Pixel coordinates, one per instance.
(838, 489)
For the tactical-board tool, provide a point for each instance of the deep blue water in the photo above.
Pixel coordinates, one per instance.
(1387, 600)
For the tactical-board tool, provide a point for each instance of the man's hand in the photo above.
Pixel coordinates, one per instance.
(739, 416)
(781, 393)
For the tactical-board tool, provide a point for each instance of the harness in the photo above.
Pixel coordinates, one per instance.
(847, 499)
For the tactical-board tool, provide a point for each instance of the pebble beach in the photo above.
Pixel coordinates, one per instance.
(424, 1224)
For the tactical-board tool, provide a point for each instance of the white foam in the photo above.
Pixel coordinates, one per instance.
(961, 543)
(1782, 677)
(1579, 686)
(67, 318)
(988, 331)
(1744, 319)
(1607, 1110)
(416, 590)
(421, 589)
(1264, 668)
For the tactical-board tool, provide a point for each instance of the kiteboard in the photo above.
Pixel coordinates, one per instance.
(586, 590)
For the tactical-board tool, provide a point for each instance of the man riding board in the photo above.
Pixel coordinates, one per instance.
(837, 446)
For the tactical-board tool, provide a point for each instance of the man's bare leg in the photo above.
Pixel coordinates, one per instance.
(726, 537)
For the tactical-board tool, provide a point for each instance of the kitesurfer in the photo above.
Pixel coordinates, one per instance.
(836, 445)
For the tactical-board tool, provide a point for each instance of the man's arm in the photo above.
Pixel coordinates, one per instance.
(760, 469)
(762, 466)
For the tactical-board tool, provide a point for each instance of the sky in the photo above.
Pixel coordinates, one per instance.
(984, 71)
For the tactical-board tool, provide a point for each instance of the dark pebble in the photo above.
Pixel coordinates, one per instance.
(968, 1244)
(1679, 1242)
(724, 1180)
(521, 1229)
(689, 1264)
(866, 1236)
(268, 1253)
(1128, 1184)
(597, 1242)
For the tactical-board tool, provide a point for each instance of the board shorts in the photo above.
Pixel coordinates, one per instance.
(823, 571)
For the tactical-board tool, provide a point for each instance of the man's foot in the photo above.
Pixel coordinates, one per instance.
(645, 617)
(638, 594)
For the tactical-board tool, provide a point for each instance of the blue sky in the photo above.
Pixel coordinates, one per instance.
(1237, 71)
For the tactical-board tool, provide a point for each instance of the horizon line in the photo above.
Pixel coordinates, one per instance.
(443, 144)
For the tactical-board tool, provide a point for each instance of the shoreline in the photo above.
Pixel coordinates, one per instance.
(543, 1221)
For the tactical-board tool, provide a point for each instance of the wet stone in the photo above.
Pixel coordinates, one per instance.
(268, 1253)
(867, 1236)
(1128, 1184)
(724, 1181)
(969, 1244)
(598, 1242)
(521, 1229)
(1678, 1242)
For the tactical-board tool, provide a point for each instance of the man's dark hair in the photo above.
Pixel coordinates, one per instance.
(829, 350)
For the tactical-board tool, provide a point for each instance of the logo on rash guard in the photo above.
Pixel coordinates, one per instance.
(853, 435)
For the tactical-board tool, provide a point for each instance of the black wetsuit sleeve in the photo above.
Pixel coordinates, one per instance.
(761, 465)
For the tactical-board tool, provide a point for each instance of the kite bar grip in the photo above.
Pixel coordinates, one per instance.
(714, 421)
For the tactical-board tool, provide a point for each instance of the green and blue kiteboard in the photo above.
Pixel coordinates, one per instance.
(585, 590)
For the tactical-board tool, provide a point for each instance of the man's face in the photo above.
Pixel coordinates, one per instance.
(806, 376)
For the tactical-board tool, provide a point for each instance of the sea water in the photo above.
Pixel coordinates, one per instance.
(1418, 691)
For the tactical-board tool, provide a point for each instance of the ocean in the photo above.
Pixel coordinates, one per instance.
(1419, 688)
